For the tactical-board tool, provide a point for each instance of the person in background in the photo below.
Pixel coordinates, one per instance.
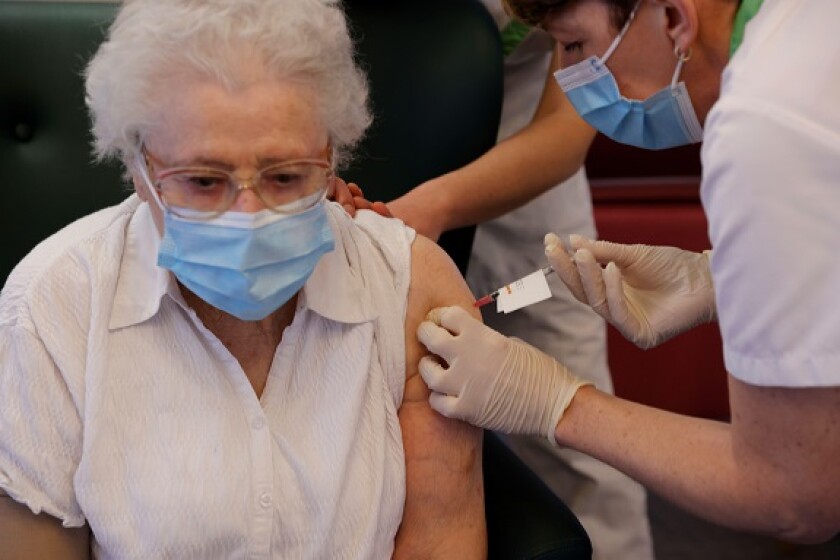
(224, 365)
(759, 83)
(530, 183)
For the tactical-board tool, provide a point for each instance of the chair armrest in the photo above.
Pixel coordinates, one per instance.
(525, 519)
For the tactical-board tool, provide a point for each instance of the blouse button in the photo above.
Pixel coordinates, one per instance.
(258, 423)
(265, 501)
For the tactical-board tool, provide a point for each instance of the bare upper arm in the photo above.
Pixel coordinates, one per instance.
(444, 510)
(435, 282)
(24, 535)
(794, 434)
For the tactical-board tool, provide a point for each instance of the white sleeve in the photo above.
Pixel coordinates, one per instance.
(40, 428)
(771, 190)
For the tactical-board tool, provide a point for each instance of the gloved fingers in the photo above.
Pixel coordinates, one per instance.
(606, 251)
(446, 405)
(437, 377)
(552, 238)
(621, 316)
(437, 339)
(592, 278)
(563, 266)
(454, 319)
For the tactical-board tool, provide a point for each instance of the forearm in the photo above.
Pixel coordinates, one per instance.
(705, 467)
(444, 506)
(26, 535)
(546, 152)
(512, 173)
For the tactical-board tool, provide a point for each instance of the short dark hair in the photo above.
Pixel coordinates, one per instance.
(535, 12)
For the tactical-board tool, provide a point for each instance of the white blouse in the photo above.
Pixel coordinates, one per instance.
(120, 409)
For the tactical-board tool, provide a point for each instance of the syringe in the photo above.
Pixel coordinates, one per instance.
(489, 298)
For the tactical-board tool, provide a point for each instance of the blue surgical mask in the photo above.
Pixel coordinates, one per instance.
(664, 120)
(246, 264)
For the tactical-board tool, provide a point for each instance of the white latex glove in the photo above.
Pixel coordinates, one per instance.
(490, 380)
(650, 294)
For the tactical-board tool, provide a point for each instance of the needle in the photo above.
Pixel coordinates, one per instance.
(489, 298)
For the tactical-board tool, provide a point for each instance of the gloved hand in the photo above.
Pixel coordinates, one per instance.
(490, 380)
(650, 294)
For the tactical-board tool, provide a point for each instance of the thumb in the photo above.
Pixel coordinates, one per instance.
(444, 404)
(453, 318)
(563, 266)
(606, 251)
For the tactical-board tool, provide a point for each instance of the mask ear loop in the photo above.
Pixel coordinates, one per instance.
(140, 162)
(332, 157)
(621, 33)
(682, 58)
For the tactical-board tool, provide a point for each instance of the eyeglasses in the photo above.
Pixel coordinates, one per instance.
(203, 193)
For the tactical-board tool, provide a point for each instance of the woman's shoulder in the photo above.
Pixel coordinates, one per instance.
(435, 280)
(369, 239)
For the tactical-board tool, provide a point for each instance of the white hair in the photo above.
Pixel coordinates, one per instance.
(152, 41)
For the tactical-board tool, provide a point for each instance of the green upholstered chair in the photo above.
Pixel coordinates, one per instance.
(435, 71)
(46, 179)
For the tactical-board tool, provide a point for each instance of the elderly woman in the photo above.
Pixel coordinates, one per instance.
(219, 366)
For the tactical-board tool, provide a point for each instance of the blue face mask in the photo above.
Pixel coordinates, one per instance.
(664, 120)
(246, 264)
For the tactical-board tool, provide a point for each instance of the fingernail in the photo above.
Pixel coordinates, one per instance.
(434, 315)
(583, 255)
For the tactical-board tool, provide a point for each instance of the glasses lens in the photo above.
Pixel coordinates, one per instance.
(293, 187)
(201, 193)
(199, 190)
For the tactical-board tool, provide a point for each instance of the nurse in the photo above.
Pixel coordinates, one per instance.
(759, 84)
(532, 181)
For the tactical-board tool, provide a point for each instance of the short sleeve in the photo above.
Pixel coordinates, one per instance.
(771, 191)
(40, 428)
(391, 240)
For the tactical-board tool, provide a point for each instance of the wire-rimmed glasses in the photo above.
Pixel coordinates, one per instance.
(203, 193)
